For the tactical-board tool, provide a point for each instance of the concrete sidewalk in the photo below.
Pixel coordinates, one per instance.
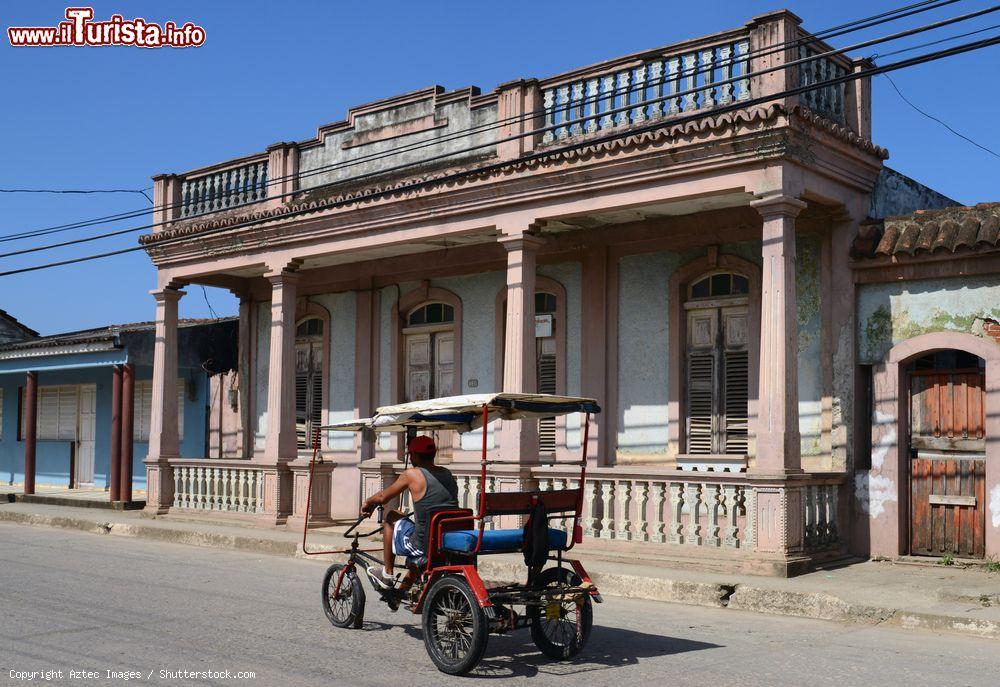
(938, 598)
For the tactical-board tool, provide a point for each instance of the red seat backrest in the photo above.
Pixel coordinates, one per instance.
(520, 502)
(447, 520)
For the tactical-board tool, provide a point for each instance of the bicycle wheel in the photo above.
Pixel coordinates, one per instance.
(561, 628)
(347, 608)
(455, 627)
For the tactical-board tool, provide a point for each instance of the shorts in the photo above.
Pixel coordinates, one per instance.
(402, 539)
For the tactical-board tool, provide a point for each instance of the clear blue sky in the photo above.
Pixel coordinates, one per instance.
(272, 71)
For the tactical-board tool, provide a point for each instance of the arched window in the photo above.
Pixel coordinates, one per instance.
(718, 364)
(430, 314)
(429, 350)
(308, 379)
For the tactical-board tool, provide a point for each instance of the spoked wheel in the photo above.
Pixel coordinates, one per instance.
(561, 627)
(455, 627)
(346, 608)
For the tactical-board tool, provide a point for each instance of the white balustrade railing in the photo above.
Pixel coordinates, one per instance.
(708, 510)
(682, 508)
(819, 502)
(234, 487)
(224, 188)
(829, 101)
(645, 90)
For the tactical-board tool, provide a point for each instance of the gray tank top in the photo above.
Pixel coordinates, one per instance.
(442, 492)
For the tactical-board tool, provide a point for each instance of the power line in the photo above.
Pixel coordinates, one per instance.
(79, 191)
(864, 73)
(858, 24)
(939, 121)
(563, 124)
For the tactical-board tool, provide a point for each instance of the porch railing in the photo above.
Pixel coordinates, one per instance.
(829, 101)
(220, 189)
(231, 486)
(643, 90)
(707, 510)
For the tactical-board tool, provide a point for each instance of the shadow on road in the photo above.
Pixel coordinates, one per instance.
(515, 655)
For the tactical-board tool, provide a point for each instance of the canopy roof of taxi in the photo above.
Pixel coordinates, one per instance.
(464, 413)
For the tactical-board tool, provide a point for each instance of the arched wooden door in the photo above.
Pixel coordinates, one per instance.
(947, 455)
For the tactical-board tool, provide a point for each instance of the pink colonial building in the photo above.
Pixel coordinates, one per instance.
(667, 232)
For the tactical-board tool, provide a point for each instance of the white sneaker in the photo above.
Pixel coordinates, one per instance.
(380, 578)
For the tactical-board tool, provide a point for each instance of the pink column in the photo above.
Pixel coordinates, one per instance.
(778, 443)
(280, 444)
(520, 439)
(593, 349)
(245, 367)
(163, 439)
(282, 172)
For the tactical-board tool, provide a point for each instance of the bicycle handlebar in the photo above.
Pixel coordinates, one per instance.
(360, 520)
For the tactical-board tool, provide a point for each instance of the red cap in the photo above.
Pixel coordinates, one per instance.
(422, 446)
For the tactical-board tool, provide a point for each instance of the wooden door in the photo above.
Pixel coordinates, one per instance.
(947, 465)
(418, 367)
(444, 364)
(86, 434)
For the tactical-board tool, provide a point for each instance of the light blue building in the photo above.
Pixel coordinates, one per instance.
(75, 373)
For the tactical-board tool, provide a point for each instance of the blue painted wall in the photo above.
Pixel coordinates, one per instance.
(52, 457)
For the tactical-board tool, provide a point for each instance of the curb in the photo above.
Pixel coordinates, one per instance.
(813, 605)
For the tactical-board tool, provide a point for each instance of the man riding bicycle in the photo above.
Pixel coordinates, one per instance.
(431, 488)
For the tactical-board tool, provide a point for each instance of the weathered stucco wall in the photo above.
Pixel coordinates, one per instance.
(643, 344)
(458, 116)
(898, 194)
(808, 248)
(891, 313)
(260, 373)
(340, 363)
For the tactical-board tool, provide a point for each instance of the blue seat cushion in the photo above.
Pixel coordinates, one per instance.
(496, 541)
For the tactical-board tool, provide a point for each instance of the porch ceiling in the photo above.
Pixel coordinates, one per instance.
(686, 206)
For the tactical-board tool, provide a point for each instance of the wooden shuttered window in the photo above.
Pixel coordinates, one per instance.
(547, 385)
(142, 409)
(57, 411)
(308, 381)
(717, 379)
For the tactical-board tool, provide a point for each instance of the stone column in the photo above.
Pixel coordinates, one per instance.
(593, 349)
(114, 485)
(245, 376)
(777, 426)
(519, 441)
(30, 430)
(163, 439)
(280, 444)
(127, 427)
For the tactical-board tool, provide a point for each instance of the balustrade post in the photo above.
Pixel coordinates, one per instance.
(660, 497)
(713, 506)
(607, 521)
(282, 173)
(779, 28)
(676, 506)
(692, 499)
(622, 510)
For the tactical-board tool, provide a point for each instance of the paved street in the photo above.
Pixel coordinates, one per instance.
(80, 601)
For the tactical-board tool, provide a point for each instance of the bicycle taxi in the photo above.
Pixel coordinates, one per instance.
(459, 611)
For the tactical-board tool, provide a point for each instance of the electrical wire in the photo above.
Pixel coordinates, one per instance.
(939, 121)
(860, 74)
(554, 127)
(859, 24)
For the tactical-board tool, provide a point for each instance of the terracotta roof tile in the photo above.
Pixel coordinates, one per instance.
(950, 230)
